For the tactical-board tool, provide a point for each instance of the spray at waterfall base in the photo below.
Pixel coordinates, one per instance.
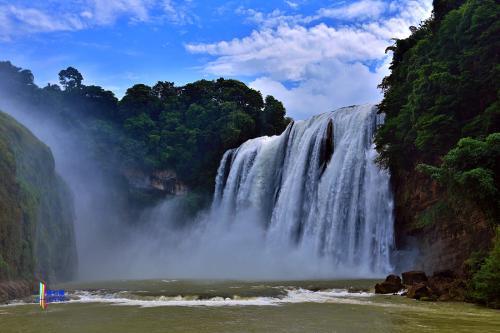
(309, 203)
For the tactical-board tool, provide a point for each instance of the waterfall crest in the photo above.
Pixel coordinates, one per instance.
(314, 190)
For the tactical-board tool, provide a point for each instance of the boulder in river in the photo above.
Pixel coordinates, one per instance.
(419, 290)
(391, 285)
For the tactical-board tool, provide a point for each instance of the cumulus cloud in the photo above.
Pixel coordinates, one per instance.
(13, 18)
(285, 53)
(71, 15)
(332, 58)
(329, 85)
(364, 9)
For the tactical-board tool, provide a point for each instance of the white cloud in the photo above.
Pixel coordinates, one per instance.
(328, 65)
(106, 12)
(286, 52)
(86, 14)
(179, 13)
(27, 20)
(363, 9)
(330, 85)
(59, 15)
(292, 4)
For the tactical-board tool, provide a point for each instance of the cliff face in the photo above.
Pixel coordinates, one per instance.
(440, 136)
(426, 222)
(161, 182)
(36, 213)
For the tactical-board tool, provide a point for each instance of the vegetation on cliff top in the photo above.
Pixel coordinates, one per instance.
(36, 217)
(185, 128)
(442, 109)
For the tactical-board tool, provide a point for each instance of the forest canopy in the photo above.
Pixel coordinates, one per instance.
(184, 128)
(441, 101)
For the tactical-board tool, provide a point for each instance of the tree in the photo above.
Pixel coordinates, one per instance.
(16, 83)
(274, 116)
(486, 281)
(468, 172)
(164, 90)
(70, 78)
(140, 99)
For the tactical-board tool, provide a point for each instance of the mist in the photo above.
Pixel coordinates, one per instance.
(111, 246)
(248, 233)
(101, 223)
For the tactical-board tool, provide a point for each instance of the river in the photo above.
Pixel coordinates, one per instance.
(236, 306)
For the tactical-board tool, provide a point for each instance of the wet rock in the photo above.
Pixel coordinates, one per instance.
(164, 182)
(10, 290)
(447, 286)
(327, 147)
(391, 285)
(444, 274)
(419, 290)
(414, 277)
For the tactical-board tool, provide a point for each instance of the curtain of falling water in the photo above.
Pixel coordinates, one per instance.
(315, 188)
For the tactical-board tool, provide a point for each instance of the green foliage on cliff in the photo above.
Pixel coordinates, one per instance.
(441, 103)
(442, 109)
(485, 283)
(185, 128)
(16, 216)
(444, 84)
(470, 171)
(36, 222)
(189, 128)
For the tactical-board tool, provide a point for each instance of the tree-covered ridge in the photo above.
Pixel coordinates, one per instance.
(442, 109)
(444, 86)
(185, 128)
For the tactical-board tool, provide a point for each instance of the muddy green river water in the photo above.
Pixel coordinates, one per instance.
(235, 306)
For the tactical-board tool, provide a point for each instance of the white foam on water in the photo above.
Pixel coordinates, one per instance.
(293, 296)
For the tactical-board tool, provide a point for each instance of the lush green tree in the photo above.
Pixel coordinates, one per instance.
(140, 99)
(444, 84)
(470, 171)
(274, 119)
(165, 90)
(70, 78)
(485, 284)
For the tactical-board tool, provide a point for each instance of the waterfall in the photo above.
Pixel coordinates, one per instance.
(313, 190)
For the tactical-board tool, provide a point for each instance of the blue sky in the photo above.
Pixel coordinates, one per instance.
(313, 55)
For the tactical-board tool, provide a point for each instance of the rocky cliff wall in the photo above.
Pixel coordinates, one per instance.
(431, 231)
(36, 212)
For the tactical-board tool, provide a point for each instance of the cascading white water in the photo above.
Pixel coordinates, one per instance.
(310, 203)
(314, 190)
